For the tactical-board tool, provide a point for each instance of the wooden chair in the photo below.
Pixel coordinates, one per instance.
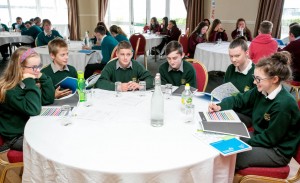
(15, 160)
(268, 174)
(201, 74)
(141, 48)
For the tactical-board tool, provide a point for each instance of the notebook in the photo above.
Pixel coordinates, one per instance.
(181, 88)
(88, 52)
(68, 83)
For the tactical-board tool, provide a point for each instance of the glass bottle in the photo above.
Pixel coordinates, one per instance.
(157, 104)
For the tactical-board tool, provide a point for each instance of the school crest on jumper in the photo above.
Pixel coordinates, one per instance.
(246, 88)
(183, 81)
(134, 80)
(267, 117)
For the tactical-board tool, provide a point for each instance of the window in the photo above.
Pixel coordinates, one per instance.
(290, 14)
(139, 12)
(54, 10)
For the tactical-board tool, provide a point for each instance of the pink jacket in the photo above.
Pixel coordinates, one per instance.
(262, 46)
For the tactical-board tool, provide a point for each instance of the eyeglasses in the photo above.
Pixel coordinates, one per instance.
(258, 80)
(35, 67)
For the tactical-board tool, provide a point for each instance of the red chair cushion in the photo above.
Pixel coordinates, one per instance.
(294, 83)
(278, 172)
(200, 76)
(133, 41)
(183, 40)
(1, 141)
(14, 156)
(297, 155)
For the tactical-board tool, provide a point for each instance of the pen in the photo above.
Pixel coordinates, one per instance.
(211, 99)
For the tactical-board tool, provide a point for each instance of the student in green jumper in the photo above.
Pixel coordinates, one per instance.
(118, 33)
(47, 35)
(18, 25)
(177, 71)
(32, 30)
(23, 91)
(240, 72)
(129, 72)
(275, 115)
(58, 69)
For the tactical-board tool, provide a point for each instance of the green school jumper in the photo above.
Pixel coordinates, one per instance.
(42, 39)
(177, 78)
(242, 82)
(111, 74)
(23, 101)
(57, 75)
(33, 31)
(276, 122)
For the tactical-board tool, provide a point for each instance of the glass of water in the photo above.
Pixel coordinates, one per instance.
(168, 91)
(142, 88)
(66, 115)
(118, 88)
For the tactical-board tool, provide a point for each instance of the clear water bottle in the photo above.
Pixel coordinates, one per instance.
(131, 28)
(81, 87)
(86, 39)
(186, 98)
(157, 104)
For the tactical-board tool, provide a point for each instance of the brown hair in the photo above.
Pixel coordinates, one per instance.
(13, 73)
(123, 45)
(55, 45)
(276, 65)
(266, 27)
(239, 42)
(213, 26)
(174, 46)
(117, 30)
(46, 21)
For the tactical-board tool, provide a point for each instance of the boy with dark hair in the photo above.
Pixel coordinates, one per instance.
(294, 48)
(129, 72)
(177, 71)
(32, 30)
(58, 69)
(263, 45)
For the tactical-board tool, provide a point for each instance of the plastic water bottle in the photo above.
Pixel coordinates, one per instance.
(86, 39)
(157, 104)
(131, 28)
(81, 87)
(186, 98)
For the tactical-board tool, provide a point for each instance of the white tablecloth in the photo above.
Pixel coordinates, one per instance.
(152, 40)
(76, 59)
(113, 141)
(14, 37)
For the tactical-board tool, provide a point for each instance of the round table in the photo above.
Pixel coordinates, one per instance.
(113, 141)
(14, 37)
(152, 40)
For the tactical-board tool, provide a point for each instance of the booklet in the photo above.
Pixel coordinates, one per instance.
(225, 144)
(220, 116)
(91, 81)
(181, 88)
(225, 90)
(88, 52)
(68, 83)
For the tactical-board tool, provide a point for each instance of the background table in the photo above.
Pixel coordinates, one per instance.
(113, 141)
(152, 40)
(76, 59)
(14, 37)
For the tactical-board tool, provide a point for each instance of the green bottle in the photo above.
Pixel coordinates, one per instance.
(81, 86)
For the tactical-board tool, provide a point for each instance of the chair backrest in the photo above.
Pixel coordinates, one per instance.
(142, 46)
(146, 27)
(1, 141)
(297, 155)
(114, 53)
(201, 74)
(137, 48)
(183, 40)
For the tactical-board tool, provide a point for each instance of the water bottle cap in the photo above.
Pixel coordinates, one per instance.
(80, 75)
(187, 86)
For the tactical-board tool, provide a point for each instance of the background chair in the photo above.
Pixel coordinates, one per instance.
(183, 40)
(201, 74)
(136, 48)
(114, 53)
(15, 160)
(146, 27)
(268, 174)
(142, 46)
(295, 86)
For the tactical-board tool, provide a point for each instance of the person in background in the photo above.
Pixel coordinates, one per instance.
(47, 35)
(263, 45)
(294, 48)
(28, 24)
(32, 31)
(107, 45)
(240, 72)
(118, 33)
(217, 32)
(275, 115)
(23, 91)
(4, 47)
(59, 69)
(241, 29)
(38, 22)
(18, 25)
(106, 29)
(172, 35)
(207, 22)
(286, 39)
(197, 36)
(163, 26)
(124, 69)
(176, 70)
(154, 25)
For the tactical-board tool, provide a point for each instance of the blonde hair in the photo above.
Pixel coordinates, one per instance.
(13, 73)
(56, 44)
(117, 30)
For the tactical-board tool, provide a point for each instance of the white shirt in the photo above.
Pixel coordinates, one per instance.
(246, 70)
(274, 93)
